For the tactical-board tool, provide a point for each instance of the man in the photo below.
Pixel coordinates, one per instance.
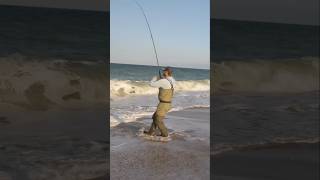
(166, 87)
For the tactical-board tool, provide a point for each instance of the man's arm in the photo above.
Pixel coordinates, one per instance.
(156, 82)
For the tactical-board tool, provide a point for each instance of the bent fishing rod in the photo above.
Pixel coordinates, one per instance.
(151, 36)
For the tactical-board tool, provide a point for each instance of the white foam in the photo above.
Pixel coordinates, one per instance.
(132, 108)
(57, 79)
(283, 75)
(125, 88)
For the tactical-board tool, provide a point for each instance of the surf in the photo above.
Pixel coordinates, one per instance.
(125, 88)
(42, 84)
(267, 76)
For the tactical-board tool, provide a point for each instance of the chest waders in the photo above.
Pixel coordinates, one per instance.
(165, 98)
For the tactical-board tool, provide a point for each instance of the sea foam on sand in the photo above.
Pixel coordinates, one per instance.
(186, 156)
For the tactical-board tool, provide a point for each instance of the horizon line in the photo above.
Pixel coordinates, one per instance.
(56, 8)
(160, 66)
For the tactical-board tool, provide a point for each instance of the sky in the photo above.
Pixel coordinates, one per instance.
(181, 33)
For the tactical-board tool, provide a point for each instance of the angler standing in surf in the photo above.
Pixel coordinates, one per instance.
(166, 89)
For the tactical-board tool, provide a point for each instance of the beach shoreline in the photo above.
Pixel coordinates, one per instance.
(288, 161)
(54, 144)
(186, 156)
(265, 136)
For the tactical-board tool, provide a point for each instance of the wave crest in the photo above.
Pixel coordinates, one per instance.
(40, 84)
(267, 76)
(123, 88)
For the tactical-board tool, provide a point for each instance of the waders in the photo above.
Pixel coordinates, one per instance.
(165, 97)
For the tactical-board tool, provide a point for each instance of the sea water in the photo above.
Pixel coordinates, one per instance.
(53, 58)
(132, 96)
(265, 84)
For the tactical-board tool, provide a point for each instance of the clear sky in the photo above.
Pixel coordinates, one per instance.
(181, 29)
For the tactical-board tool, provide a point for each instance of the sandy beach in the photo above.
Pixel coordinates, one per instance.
(267, 136)
(278, 162)
(186, 156)
(53, 144)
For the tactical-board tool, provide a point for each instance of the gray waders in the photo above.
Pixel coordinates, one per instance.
(165, 97)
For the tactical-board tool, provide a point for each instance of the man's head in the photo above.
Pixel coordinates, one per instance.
(167, 72)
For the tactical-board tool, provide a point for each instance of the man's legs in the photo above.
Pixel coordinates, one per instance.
(158, 120)
(158, 117)
(153, 126)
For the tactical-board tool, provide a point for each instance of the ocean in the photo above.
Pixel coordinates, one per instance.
(264, 85)
(132, 97)
(132, 103)
(53, 58)
(263, 91)
(53, 93)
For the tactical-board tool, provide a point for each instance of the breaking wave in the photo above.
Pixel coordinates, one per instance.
(130, 109)
(276, 76)
(40, 84)
(123, 88)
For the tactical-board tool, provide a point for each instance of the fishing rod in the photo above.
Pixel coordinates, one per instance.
(154, 46)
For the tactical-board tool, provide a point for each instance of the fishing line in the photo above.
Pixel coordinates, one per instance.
(149, 28)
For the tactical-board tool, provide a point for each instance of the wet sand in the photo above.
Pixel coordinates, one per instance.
(53, 144)
(279, 162)
(265, 136)
(187, 156)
